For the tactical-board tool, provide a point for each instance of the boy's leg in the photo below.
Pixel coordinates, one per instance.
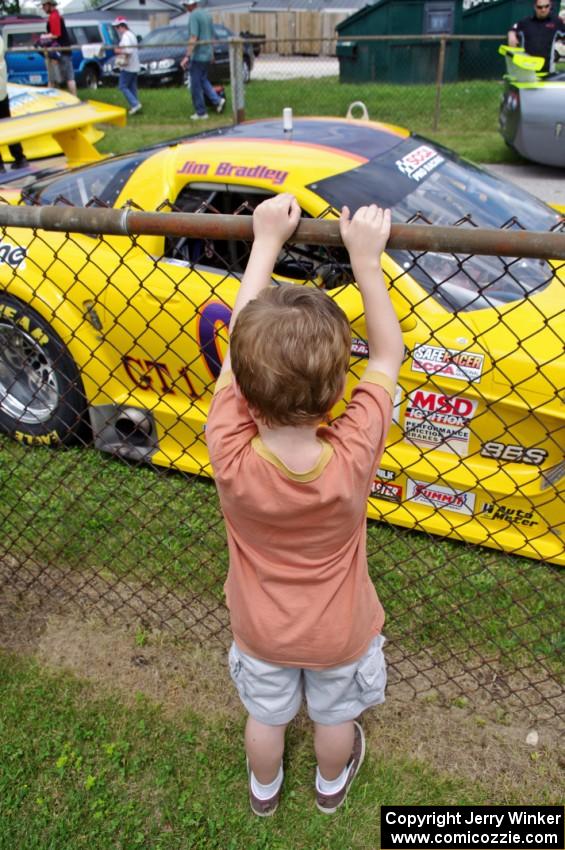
(264, 746)
(333, 746)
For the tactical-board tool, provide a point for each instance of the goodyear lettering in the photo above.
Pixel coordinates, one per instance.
(12, 255)
(515, 516)
(11, 313)
(50, 439)
(514, 454)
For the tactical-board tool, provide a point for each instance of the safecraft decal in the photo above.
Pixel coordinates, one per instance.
(442, 498)
(419, 163)
(440, 422)
(231, 169)
(460, 365)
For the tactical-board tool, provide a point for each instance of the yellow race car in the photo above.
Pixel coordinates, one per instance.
(121, 339)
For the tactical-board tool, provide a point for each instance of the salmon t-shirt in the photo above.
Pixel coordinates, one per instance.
(298, 589)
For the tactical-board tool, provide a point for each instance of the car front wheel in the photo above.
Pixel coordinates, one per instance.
(41, 396)
(90, 77)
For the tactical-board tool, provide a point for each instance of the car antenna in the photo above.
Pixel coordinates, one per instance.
(287, 121)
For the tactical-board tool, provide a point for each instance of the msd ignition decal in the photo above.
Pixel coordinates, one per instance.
(442, 498)
(439, 422)
(419, 163)
(232, 169)
(460, 365)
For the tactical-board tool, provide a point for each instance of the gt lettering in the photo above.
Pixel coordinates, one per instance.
(514, 454)
(143, 376)
(142, 373)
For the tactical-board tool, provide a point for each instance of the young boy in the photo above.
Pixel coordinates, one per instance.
(304, 614)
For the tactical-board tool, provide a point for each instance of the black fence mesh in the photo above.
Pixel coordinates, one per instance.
(109, 349)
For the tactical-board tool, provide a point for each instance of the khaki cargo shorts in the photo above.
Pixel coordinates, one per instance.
(273, 694)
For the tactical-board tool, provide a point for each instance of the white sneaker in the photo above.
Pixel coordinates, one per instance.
(135, 109)
(221, 105)
(197, 117)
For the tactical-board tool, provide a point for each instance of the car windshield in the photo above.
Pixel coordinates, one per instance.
(168, 35)
(101, 182)
(424, 182)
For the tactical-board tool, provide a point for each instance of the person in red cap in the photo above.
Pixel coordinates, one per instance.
(128, 63)
(60, 67)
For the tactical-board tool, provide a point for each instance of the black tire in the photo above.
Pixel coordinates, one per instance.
(42, 401)
(90, 77)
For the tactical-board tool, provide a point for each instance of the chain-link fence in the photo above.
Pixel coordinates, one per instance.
(112, 342)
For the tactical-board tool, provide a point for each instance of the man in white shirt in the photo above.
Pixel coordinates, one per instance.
(128, 62)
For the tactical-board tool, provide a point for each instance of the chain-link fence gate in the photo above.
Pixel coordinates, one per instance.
(106, 344)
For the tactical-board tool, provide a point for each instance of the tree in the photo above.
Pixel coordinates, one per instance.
(9, 7)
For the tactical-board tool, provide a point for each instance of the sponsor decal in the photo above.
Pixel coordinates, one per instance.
(386, 491)
(438, 421)
(161, 378)
(232, 169)
(442, 498)
(460, 365)
(514, 454)
(419, 163)
(397, 401)
(386, 474)
(12, 255)
(359, 347)
(516, 516)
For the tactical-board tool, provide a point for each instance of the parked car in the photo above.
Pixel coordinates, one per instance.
(94, 40)
(161, 52)
(532, 108)
(133, 343)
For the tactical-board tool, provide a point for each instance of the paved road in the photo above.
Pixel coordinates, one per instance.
(541, 180)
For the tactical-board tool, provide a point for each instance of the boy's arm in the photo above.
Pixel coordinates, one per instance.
(274, 221)
(365, 237)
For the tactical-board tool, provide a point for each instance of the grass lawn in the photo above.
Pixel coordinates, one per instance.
(81, 768)
(468, 118)
(150, 525)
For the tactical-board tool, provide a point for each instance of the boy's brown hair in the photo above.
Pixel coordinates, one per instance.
(290, 350)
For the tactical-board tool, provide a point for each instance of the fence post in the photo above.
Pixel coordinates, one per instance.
(439, 82)
(236, 79)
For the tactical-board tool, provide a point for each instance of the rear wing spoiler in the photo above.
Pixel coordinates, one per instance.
(70, 127)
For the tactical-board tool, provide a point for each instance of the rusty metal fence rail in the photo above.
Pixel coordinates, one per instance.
(112, 330)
